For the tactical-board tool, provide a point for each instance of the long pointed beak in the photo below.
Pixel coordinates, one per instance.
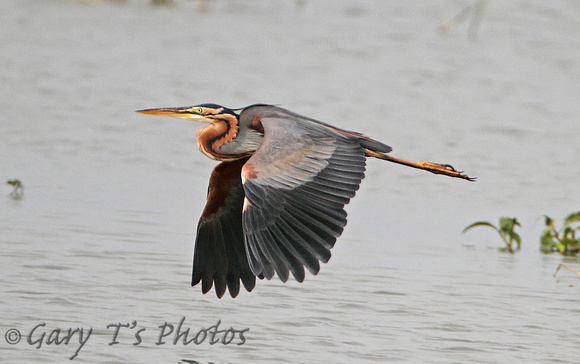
(177, 112)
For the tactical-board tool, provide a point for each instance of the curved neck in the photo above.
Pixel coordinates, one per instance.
(220, 132)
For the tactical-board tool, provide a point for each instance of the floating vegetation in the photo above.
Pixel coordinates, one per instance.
(505, 230)
(563, 240)
(18, 188)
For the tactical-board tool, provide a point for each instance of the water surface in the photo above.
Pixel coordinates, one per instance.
(105, 230)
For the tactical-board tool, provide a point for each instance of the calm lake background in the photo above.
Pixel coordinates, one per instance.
(104, 233)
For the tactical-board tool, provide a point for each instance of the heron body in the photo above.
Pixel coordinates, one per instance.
(275, 203)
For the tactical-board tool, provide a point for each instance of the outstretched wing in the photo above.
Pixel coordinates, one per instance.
(296, 185)
(219, 257)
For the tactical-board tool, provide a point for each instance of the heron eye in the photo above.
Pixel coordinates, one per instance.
(197, 110)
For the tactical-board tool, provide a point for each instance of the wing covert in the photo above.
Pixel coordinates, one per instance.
(296, 185)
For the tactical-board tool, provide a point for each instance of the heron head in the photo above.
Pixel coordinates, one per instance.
(207, 113)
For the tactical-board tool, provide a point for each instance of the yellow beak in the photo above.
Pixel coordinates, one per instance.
(177, 112)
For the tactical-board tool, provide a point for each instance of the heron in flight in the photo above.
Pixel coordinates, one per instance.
(275, 203)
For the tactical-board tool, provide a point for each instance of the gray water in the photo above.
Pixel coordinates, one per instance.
(104, 232)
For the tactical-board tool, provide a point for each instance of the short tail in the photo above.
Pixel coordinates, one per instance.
(372, 145)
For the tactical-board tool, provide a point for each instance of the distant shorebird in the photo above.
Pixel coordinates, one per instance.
(276, 202)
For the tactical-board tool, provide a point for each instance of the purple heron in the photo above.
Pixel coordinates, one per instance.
(275, 203)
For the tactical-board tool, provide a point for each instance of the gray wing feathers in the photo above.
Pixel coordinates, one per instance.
(304, 175)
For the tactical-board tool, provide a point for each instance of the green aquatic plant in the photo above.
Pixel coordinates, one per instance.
(505, 231)
(18, 188)
(563, 240)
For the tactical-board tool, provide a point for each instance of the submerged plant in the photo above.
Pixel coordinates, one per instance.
(475, 10)
(563, 240)
(505, 231)
(18, 188)
(565, 266)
